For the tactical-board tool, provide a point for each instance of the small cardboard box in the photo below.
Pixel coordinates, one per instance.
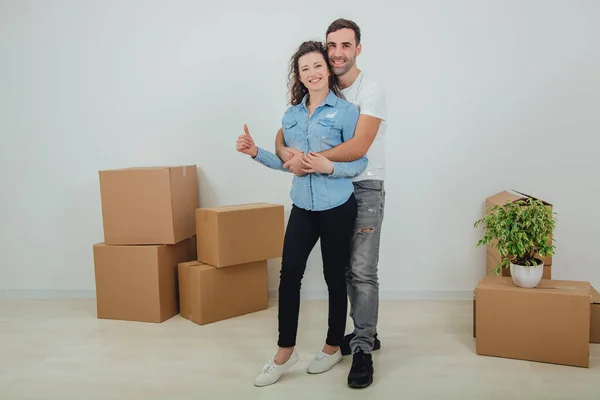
(550, 323)
(209, 294)
(154, 205)
(239, 234)
(594, 316)
(494, 258)
(139, 283)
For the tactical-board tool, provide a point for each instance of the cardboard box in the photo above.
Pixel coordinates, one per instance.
(595, 317)
(239, 234)
(139, 283)
(209, 294)
(154, 205)
(492, 263)
(550, 323)
(502, 198)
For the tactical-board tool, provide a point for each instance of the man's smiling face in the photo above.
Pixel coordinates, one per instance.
(342, 50)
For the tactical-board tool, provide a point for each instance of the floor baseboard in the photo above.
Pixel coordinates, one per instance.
(45, 294)
(30, 294)
(394, 294)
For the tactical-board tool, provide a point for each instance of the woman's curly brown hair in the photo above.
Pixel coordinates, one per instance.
(296, 87)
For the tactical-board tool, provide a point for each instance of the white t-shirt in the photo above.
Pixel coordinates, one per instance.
(370, 99)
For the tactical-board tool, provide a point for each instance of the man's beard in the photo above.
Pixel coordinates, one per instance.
(341, 70)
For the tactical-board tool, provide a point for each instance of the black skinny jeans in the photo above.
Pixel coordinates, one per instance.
(334, 227)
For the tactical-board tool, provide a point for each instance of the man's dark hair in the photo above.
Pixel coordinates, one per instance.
(342, 23)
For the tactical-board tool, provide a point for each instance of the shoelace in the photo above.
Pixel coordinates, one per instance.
(358, 361)
(320, 356)
(268, 367)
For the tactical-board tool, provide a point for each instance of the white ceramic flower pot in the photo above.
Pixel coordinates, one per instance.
(526, 276)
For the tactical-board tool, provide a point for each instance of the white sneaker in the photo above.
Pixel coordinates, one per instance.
(271, 372)
(324, 362)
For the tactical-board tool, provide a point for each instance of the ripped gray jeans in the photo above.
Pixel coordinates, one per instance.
(361, 276)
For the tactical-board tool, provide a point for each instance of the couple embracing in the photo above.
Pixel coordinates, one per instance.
(332, 140)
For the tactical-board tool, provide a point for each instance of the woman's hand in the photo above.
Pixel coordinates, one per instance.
(245, 143)
(288, 153)
(316, 163)
(295, 163)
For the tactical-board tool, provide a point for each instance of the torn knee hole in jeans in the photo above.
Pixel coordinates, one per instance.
(365, 230)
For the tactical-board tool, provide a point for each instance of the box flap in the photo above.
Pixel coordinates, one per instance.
(495, 282)
(533, 197)
(144, 246)
(195, 264)
(240, 207)
(505, 196)
(201, 266)
(149, 168)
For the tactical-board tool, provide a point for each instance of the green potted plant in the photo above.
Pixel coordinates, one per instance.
(521, 232)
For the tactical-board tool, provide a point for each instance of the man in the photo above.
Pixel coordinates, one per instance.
(343, 43)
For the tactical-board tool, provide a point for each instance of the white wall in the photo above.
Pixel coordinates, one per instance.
(87, 86)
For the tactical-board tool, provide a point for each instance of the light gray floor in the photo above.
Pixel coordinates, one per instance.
(57, 349)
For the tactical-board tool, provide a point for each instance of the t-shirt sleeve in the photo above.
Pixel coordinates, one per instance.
(373, 101)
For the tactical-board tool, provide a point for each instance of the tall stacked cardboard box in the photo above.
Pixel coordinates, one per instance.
(229, 277)
(554, 322)
(148, 217)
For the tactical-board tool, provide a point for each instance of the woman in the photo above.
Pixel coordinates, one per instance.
(323, 203)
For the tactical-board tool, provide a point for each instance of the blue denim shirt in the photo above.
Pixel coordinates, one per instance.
(332, 123)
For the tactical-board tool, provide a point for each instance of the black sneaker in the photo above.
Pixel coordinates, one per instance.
(361, 372)
(345, 347)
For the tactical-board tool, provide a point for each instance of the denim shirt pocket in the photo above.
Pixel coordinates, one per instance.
(291, 134)
(330, 133)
